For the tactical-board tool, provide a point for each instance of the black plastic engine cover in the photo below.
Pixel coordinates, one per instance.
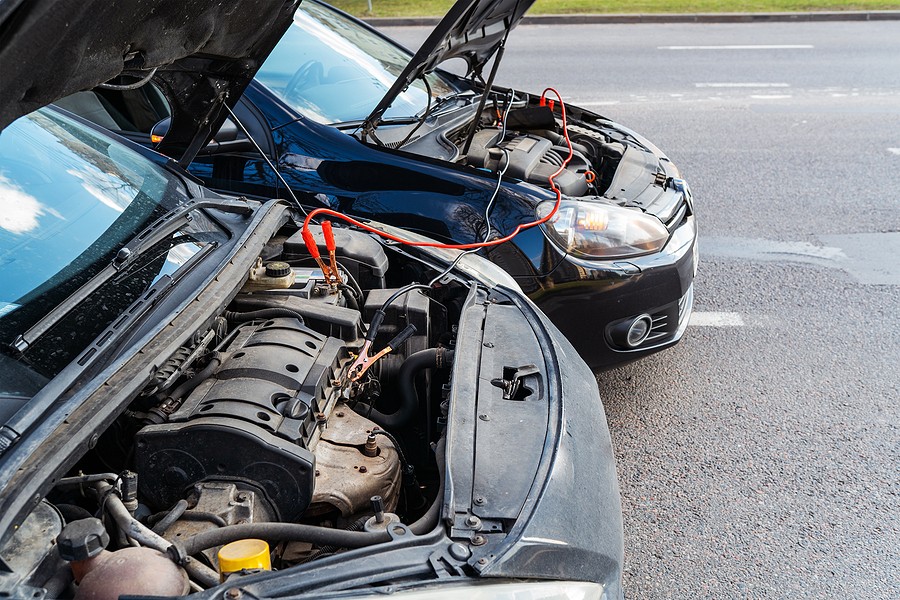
(254, 420)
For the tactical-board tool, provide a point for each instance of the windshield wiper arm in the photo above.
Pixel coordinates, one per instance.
(152, 235)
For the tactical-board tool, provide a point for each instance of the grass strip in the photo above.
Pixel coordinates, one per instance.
(429, 8)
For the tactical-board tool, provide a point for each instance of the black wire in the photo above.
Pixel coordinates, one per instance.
(400, 454)
(129, 86)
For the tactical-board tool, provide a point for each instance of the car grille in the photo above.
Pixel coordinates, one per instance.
(659, 328)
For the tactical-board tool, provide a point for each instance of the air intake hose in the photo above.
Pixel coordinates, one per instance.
(432, 358)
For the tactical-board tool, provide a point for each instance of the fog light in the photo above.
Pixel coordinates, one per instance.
(632, 333)
(638, 331)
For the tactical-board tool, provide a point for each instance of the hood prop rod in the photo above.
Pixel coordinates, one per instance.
(487, 90)
(272, 166)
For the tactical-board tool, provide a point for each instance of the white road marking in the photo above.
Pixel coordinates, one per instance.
(742, 47)
(742, 85)
(894, 151)
(770, 96)
(716, 319)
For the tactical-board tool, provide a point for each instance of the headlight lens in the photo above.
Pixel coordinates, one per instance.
(512, 590)
(594, 230)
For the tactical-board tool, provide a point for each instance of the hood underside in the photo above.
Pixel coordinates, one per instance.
(206, 52)
(471, 29)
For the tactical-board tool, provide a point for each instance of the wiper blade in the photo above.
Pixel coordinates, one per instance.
(168, 224)
(152, 235)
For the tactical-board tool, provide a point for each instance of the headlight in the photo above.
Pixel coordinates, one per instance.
(513, 590)
(594, 230)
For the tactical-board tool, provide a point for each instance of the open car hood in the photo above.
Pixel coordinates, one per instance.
(471, 29)
(206, 52)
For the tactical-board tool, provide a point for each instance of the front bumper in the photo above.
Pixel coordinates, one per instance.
(586, 299)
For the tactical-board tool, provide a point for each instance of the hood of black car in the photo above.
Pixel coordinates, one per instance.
(205, 53)
(471, 29)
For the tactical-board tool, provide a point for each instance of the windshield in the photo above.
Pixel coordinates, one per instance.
(71, 197)
(332, 70)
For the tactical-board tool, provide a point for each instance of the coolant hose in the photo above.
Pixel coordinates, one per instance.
(199, 377)
(432, 358)
(169, 518)
(145, 537)
(427, 522)
(282, 532)
(263, 313)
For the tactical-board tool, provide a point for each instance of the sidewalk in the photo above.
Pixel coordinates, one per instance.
(878, 15)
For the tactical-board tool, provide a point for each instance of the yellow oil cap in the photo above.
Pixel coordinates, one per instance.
(244, 554)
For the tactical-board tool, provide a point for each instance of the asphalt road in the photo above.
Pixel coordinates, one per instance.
(761, 457)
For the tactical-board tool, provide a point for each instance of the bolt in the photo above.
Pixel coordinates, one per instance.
(378, 508)
(321, 420)
(459, 551)
(371, 447)
(473, 521)
(363, 469)
(484, 417)
(233, 594)
(482, 561)
(241, 497)
(479, 500)
(479, 540)
(336, 382)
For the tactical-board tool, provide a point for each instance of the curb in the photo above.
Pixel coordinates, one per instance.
(781, 17)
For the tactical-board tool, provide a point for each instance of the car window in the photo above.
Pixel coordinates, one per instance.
(71, 197)
(123, 111)
(332, 70)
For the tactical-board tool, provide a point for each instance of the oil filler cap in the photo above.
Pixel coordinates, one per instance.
(278, 269)
(82, 539)
(244, 554)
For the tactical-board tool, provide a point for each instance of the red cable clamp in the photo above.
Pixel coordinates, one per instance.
(332, 247)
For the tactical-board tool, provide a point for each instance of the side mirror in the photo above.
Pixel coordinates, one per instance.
(229, 138)
(159, 131)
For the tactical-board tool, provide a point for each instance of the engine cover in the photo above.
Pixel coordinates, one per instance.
(532, 158)
(254, 420)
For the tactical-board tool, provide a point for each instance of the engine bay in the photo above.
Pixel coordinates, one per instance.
(264, 419)
(526, 140)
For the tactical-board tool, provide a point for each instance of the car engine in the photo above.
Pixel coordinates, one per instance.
(256, 422)
(532, 146)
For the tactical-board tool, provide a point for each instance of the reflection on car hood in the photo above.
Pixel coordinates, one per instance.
(472, 30)
(207, 51)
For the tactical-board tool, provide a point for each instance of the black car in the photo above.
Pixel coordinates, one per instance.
(214, 396)
(358, 124)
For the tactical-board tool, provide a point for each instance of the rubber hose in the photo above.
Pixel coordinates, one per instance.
(170, 518)
(356, 525)
(199, 377)
(283, 532)
(263, 313)
(406, 380)
(73, 512)
(427, 522)
(145, 537)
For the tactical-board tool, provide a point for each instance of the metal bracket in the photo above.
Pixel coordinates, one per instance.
(511, 382)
